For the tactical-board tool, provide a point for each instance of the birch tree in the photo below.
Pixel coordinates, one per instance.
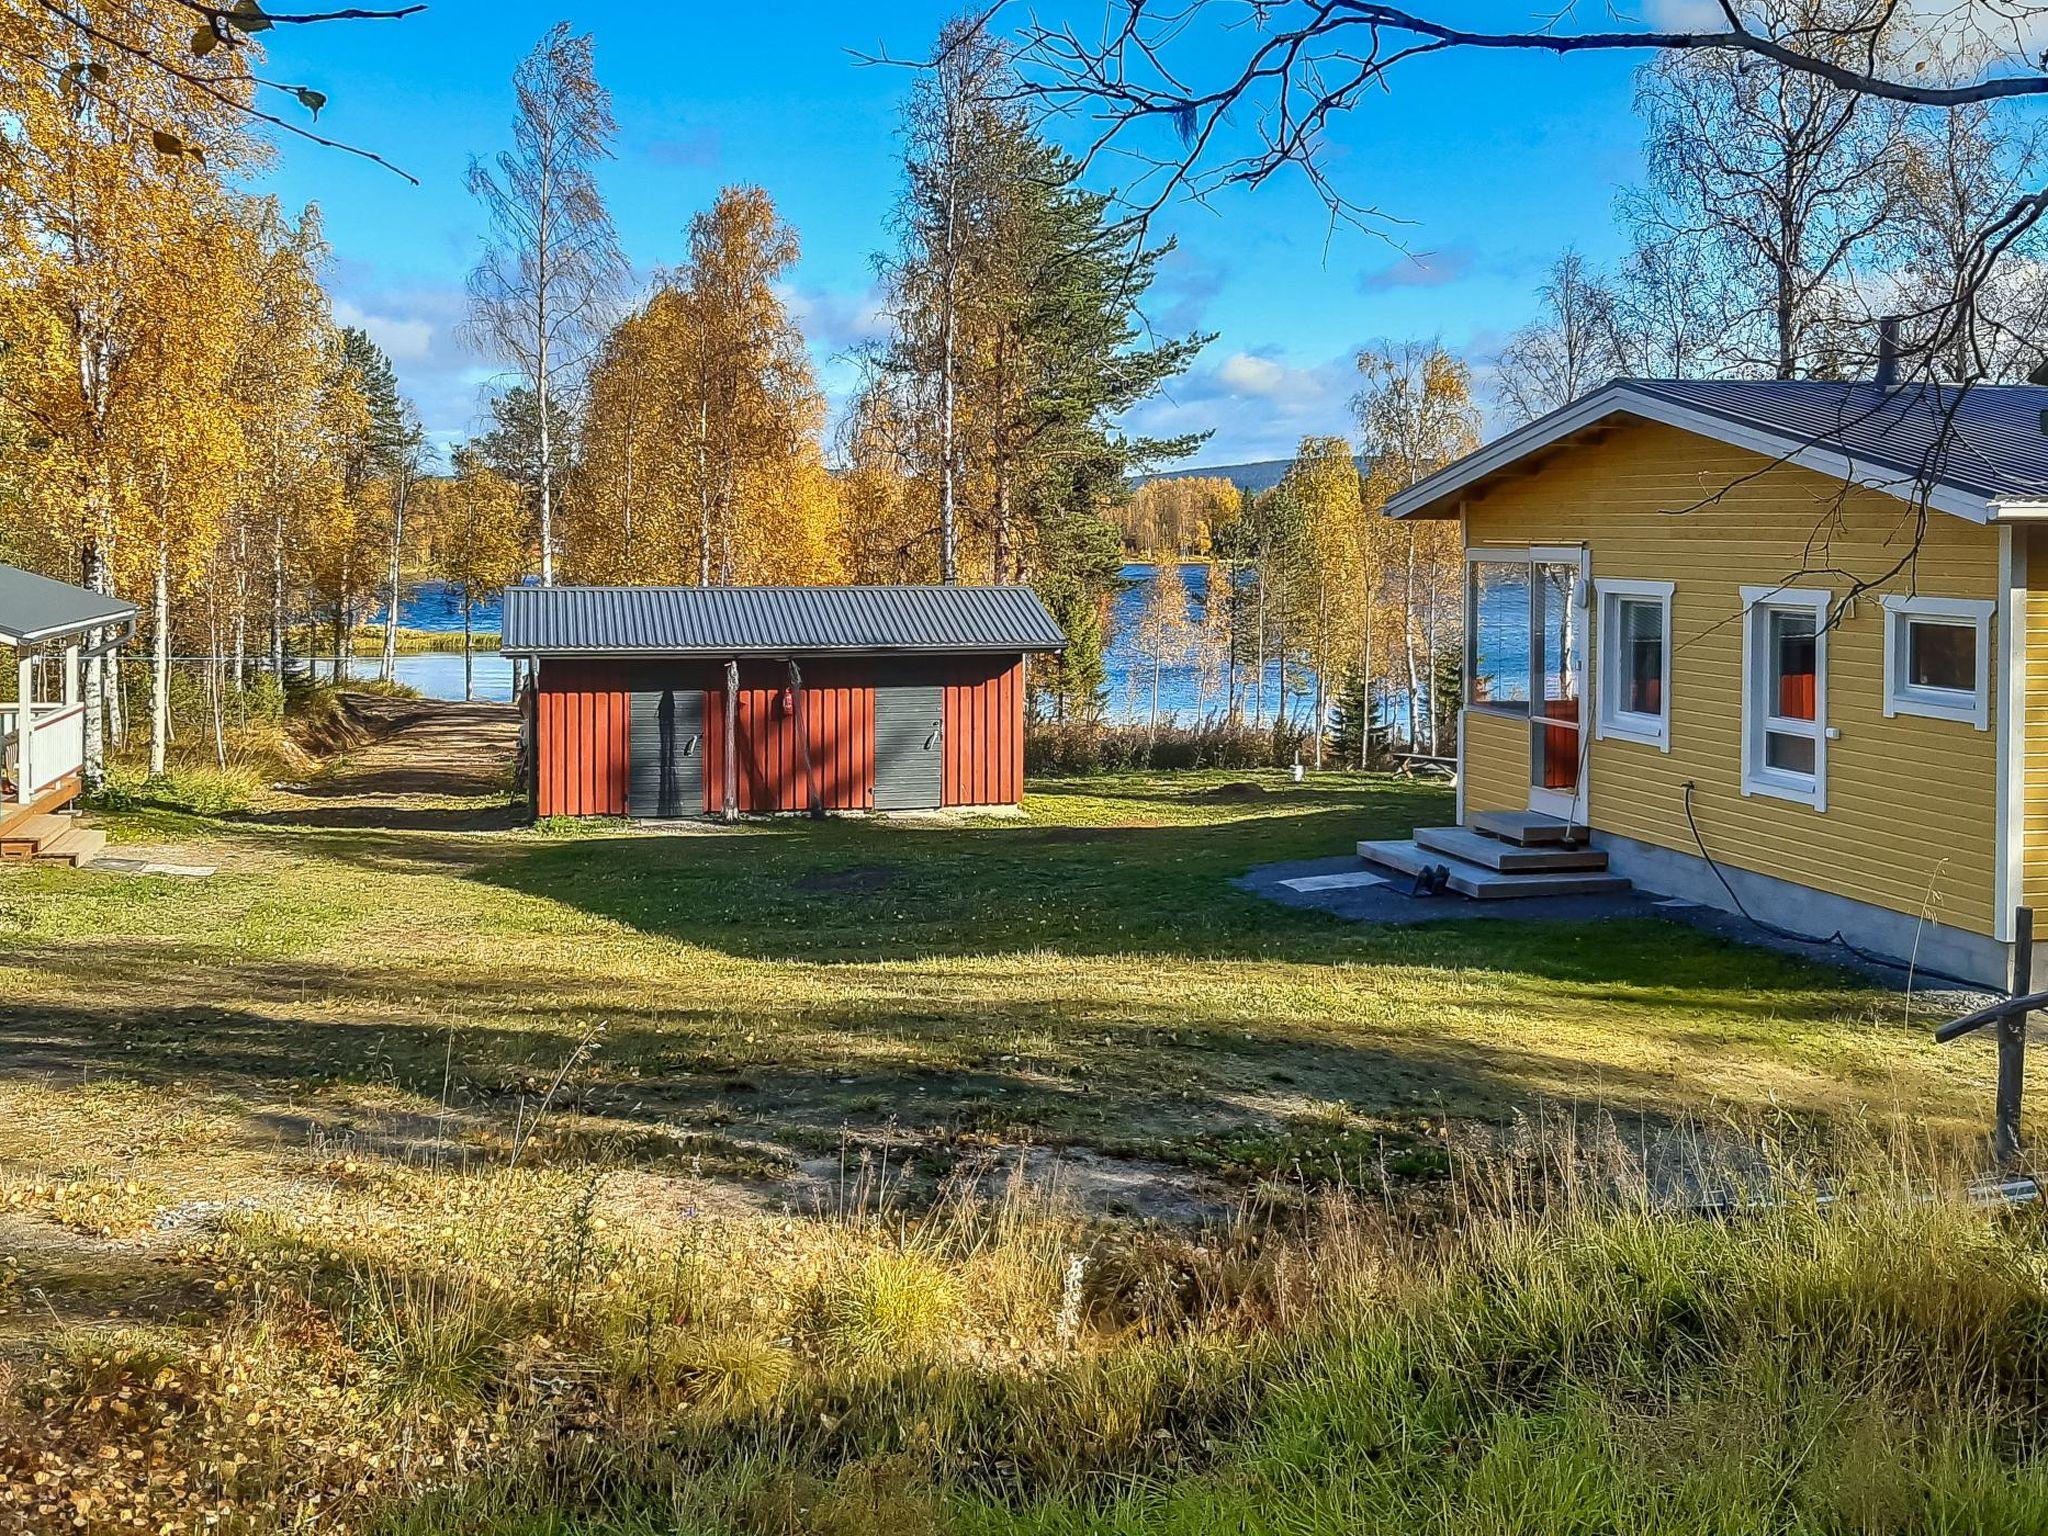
(543, 288)
(1415, 415)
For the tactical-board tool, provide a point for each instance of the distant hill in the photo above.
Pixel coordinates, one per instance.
(1253, 478)
(1262, 476)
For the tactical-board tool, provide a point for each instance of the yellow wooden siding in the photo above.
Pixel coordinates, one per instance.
(1496, 762)
(1911, 818)
(2035, 757)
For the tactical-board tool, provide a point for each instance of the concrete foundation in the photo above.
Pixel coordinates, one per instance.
(1930, 946)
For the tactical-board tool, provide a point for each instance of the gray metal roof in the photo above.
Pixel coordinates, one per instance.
(773, 621)
(1986, 439)
(34, 608)
(1980, 453)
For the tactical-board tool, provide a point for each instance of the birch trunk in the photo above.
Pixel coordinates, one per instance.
(160, 679)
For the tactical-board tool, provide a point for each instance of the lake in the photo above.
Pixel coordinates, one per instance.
(431, 606)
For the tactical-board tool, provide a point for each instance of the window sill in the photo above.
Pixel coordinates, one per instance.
(1807, 792)
(1502, 711)
(1962, 708)
(1650, 733)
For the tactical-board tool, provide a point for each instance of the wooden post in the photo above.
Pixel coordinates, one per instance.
(732, 741)
(71, 694)
(2012, 1042)
(24, 727)
(803, 741)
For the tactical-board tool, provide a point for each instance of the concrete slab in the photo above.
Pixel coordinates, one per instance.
(1389, 902)
(1342, 882)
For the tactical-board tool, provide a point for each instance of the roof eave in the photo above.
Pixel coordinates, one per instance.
(756, 653)
(1428, 497)
(18, 637)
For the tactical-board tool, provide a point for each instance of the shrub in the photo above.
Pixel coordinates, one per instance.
(1214, 741)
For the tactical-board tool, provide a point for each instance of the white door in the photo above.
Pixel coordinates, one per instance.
(1557, 683)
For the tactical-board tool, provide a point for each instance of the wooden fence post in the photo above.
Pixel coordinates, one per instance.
(2012, 1042)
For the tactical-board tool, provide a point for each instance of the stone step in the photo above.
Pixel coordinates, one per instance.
(26, 838)
(1526, 829)
(1406, 857)
(1509, 858)
(80, 845)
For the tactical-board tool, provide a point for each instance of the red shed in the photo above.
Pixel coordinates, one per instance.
(657, 702)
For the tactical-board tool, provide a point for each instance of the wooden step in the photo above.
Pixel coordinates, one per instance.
(1526, 829)
(53, 798)
(80, 845)
(28, 837)
(1508, 858)
(1406, 857)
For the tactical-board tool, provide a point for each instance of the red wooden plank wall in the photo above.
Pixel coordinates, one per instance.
(984, 713)
(583, 734)
(839, 721)
(580, 725)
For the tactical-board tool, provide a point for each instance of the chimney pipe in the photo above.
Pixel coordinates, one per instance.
(1887, 352)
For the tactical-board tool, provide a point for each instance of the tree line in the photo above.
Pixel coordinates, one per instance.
(183, 422)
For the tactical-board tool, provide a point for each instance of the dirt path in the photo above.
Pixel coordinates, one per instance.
(429, 766)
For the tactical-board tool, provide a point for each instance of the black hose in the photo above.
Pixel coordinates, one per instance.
(1837, 938)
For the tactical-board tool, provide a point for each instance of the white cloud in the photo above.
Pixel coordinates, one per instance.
(835, 320)
(419, 326)
(403, 340)
(1259, 406)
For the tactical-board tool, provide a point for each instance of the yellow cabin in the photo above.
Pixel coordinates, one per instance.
(1763, 646)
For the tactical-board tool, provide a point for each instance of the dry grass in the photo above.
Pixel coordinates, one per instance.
(272, 1264)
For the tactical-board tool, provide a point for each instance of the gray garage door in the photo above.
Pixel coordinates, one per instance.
(666, 753)
(910, 748)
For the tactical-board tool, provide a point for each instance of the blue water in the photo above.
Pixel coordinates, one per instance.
(432, 606)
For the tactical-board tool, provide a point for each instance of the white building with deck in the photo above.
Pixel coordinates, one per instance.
(53, 629)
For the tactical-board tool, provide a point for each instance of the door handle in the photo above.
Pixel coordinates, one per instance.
(937, 727)
(690, 746)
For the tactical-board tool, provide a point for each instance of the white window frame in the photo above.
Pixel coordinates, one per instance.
(1758, 603)
(1610, 721)
(1900, 696)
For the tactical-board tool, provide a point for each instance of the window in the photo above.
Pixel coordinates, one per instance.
(1784, 696)
(1937, 658)
(1635, 661)
(1498, 601)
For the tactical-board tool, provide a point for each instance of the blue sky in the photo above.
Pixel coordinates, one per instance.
(1493, 163)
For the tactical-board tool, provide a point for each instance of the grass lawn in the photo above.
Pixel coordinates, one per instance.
(1085, 977)
(312, 1081)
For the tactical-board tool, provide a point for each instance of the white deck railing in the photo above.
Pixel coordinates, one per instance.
(56, 745)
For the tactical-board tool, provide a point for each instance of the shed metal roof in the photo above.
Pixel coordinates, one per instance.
(36, 608)
(773, 621)
(1979, 452)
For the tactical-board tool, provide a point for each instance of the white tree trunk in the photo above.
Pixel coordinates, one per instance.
(160, 677)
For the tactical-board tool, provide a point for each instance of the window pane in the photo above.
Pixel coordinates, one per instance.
(1941, 655)
(1792, 648)
(1559, 628)
(1640, 635)
(1500, 633)
(1788, 753)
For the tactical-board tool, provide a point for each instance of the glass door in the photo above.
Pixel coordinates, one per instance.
(1557, 670)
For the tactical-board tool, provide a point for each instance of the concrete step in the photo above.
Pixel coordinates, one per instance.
(1407, 857)
(26, 838)
(80, 845)
(1526, 829)
(1509, 858)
